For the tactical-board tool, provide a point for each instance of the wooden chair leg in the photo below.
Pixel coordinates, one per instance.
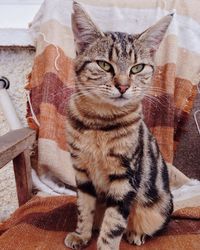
(22, 170)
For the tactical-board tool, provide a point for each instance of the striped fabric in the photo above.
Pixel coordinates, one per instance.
(43, 223)
(51, 80)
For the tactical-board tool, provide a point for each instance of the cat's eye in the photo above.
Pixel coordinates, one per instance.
(137, 68)
(104, 65)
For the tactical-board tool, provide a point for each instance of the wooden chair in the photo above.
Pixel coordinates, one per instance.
(15, 145)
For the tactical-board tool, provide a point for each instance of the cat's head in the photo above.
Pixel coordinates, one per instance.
(114, 67)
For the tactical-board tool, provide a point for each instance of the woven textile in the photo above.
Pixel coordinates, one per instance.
(51, 80)
(43, 223)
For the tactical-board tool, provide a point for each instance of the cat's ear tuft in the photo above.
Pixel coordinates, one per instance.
(84, 30)
(153, 36)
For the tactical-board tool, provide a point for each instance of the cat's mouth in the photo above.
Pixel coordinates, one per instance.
(120, 98)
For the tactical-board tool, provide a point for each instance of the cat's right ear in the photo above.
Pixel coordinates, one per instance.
(84, 29)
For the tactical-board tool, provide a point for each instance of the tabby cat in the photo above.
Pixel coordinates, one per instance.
(117, 161)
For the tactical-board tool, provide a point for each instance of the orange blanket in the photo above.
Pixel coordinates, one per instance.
(43, 223)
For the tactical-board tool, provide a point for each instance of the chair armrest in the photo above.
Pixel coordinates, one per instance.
(15, 146)
(15, 142)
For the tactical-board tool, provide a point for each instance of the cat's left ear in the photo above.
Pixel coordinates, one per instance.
(153, 36)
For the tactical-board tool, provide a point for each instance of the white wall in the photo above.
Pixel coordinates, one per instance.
(18, 13)
(15, 64)
(14, 20)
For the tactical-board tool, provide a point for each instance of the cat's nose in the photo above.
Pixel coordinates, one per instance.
(122, 88)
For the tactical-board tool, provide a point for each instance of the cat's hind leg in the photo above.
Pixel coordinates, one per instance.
(143, 221)
(135, 238)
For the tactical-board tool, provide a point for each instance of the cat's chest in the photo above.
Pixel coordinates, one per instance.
(94, 143)
(94, 156)
(94, 150)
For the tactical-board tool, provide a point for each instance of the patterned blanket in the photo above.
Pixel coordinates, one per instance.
(51, 81)
(43, 223)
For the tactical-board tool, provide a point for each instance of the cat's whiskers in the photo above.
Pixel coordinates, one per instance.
(154, 89)
(156, 92)
(156, 100)
(86, 93)
(161, 98)
(153, 102)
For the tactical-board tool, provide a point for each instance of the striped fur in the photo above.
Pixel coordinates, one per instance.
(116, 159)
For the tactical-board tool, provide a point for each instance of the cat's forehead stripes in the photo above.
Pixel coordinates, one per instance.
(122, 47)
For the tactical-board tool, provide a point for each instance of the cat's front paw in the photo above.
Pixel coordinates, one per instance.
(75, 241)
(134, 238)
